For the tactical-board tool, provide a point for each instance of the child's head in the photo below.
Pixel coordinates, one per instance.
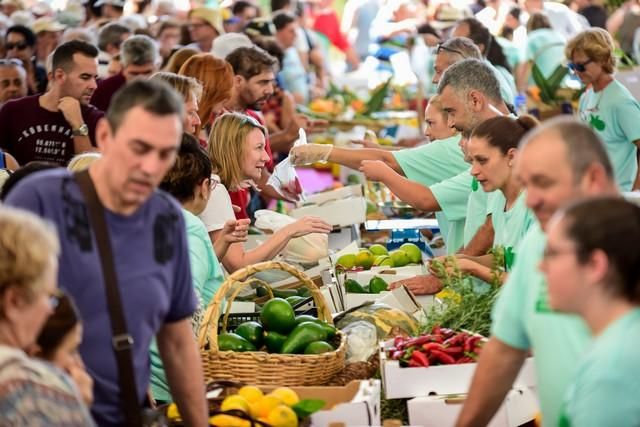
(61, 335)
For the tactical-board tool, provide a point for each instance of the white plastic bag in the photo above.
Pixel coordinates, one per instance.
(362, 341)
(284, 178)
(303, 250)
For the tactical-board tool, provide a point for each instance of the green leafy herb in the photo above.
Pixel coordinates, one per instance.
(306, 407)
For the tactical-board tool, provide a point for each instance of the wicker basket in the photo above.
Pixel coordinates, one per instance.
(259, 367)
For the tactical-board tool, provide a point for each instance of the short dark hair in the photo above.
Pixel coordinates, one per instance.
(112, 34)
(612, 225)
(281, 19)
(504, 132)
(481, 35)
(251, 61)
(192, 166)
(240, 6)
(583, 146)
(279, 4)
(271, 46)
(153, 96)
(29, 36)
(63, 55)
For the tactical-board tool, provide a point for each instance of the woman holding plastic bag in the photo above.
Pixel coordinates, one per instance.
(237, 151)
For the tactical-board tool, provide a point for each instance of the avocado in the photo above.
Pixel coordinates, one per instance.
(234, 342)
(303, 335)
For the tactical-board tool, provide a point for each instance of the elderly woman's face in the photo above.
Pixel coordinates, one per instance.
(29, 318)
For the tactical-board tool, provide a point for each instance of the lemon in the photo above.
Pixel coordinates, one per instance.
(288, 396)
(172, 412)
(223, 420)
(364, 259)
(235, 402)
(251, 393)
(264, 406)
(283, 416)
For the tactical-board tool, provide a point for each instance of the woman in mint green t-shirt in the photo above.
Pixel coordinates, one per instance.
(592, 267)
(492, 148)
(189, 181)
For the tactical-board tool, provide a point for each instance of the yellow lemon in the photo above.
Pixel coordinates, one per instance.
(264, 406)
(235, 402)
(251, 393)
(172, 412)
(283, 416)
(288, 396)
(223, 420)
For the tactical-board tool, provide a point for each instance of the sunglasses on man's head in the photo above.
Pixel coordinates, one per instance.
(11, 61)
(19, 46)
(579, 67)
(440, 47)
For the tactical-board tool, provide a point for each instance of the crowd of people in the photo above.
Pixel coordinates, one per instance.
(159, 127)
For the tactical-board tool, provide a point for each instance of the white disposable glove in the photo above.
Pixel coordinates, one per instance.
(310, 153)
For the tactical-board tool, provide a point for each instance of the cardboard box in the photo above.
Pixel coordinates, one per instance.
(519, 407)
(337, 194)
(339, 213)
(400, 383)
(356, 404)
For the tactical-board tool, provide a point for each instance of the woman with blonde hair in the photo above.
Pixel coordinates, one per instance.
(191, 91)
(30, 389)
(606, 105)
(178, 59)
(216, 77)
(237, 152)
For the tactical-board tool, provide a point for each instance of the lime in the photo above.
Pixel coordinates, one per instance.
(378, 249)
(383, 261)
(413, 252)
(399, 258)
(364, 259)
(347, 261)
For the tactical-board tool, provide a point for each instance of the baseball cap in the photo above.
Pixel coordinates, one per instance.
(212, 16)
(47, 23)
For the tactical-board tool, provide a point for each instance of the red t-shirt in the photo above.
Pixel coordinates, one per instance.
(104, 92)
(29, 132)
(241, 197)
(327, 23)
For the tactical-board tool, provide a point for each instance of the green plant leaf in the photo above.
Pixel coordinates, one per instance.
(376, 102)
(555, 79)
(545, 94)
(306, 407)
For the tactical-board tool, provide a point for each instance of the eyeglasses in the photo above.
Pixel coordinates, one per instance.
(19, 46)
(550, 253)
(579, 67)
(11, 61)
(440, 47)
(54, 298)
(250, 121)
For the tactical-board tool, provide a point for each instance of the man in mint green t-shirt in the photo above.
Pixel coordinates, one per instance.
(560, 161)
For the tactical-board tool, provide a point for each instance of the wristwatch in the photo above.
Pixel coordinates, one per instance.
(81, 131)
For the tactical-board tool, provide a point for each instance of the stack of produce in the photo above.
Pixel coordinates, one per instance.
(251, 406)
(378, 256)
(280, 331)
(442, 346)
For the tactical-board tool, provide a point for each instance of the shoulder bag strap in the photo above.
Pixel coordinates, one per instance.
(121, 340)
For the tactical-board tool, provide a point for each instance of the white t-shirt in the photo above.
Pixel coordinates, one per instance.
(219, 209)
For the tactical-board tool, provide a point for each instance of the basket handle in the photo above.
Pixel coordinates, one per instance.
(235, 293)
(209, 325)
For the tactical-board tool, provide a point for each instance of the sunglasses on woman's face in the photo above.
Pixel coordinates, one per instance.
(441, 47)
(19, 46)
(579, 67)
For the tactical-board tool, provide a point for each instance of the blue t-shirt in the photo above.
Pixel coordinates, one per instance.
(151, 258)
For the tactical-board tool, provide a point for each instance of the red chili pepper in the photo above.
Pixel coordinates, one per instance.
(397, 355)
(465, 359)
(417, 341)
(444, 358)
(398, 341)
(420, 358)
(453, 350)
(470, 343)
(435, 330)
(431, 346)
